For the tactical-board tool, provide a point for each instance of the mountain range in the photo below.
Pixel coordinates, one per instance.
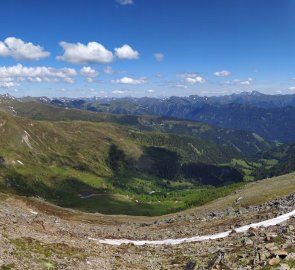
(270, 116)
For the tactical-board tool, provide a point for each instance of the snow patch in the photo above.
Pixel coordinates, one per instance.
(33, 212)
(26, 139)
(19, 162)
(265, 223)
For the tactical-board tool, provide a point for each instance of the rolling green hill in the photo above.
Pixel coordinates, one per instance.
(111, 168)
(244, 142)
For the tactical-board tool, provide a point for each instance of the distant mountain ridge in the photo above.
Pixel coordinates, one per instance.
(270, 116)
(254, 98)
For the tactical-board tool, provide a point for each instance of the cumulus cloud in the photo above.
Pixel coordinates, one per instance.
(20, 73)
(126, 52)
(159, 56)
(7, 85)
(245, 82)
(222, 73)
(128, 80)
(239, 82)
(4, 51)
(88, 72)
(8, 82)
(194, 80)
(118, 91)
(125, 2)
(291, 88)
(191, 78)
(18, 49)
(78, 53)
(150, 91)
(181, 86)
(94, 52)
(188, 78)
(69, 80)
(36, 79)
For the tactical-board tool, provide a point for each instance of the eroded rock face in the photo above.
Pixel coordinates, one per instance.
(39, 237)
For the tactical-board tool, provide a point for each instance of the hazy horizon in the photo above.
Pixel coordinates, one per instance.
(146, 96)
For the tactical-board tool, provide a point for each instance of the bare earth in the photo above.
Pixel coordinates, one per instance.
(38, 235)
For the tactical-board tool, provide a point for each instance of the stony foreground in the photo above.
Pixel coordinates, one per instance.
(40, 236)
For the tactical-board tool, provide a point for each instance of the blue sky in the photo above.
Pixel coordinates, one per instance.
(146, 47)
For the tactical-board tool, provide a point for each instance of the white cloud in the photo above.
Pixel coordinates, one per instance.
(291, 88)
(19, 73)
(238, 82)
(8, 85)
(36, 79)
(109, 70)
(18, 49)
(191, 78)
(150, 91)
(159, 56)
(245, 82)
(194, 80)
(222, 73)
(22, 71)
(128, 80)
(78, 53)
(4, 51)
(6, 79)
(126, 52)
(88, 72)
(69, 80)
(118, 92)
(125, 2)
(8, 82)
(181, 86)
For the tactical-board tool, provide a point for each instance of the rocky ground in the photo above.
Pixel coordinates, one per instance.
(37, 235)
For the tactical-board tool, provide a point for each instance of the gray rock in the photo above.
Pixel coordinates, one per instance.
(283, 266)
(291, 256)
(192, 265)
(247, 241)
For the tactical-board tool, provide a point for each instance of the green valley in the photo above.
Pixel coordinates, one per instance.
(120, 164)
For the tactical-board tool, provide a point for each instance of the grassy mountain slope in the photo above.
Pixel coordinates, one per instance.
(247, 143)
(123, 163)
(283, 159)
(111, 168)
